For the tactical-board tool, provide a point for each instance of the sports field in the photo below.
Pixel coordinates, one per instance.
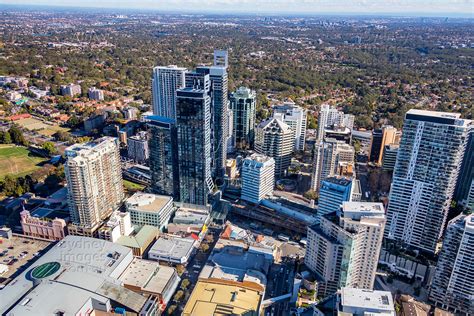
(17, 161)
(34, 124)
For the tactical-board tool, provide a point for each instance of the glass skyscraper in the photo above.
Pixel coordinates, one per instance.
(193, 123)
(243, 104)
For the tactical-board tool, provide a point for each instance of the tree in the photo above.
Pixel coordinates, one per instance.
(180, 269)
(184, 284)
(204, 247)
(311, 195)
(178, 296)
(171, 309)
(5, 138)
(17, 136)
(49, 148)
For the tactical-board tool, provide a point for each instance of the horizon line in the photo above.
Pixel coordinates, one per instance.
(414, 14)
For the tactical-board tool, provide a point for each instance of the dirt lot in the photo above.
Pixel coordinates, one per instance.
(24, 250)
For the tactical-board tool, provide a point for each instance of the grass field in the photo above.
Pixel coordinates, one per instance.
(34, 124)
(132, 186)
(17, 161)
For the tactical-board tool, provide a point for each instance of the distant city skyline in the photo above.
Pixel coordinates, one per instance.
(395, 7)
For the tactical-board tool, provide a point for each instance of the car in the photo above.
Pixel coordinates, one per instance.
(11, 247)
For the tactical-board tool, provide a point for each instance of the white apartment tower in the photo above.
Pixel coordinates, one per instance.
(94, 178)
(258, 178)
(344, 248)
(425, 175)
(327, 157)
(275, 139)
(295, 117)
(329, 115)
(453, 283)
(166, 80)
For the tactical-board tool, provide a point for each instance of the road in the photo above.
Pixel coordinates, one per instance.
(280, 282)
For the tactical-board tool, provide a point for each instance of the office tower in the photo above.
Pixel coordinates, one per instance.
(343, 249)
(338, 132)
(138, 147)
(453, 284)
(426, 170)
(275, 139)
(258, 177)
(333, 192)
(464, 187)
(94, 178)
(71, 90)
(329, 115)
(193, 123)
(243, 104)
(219, 107)
(328, 156)
(163, 156)
(165, 82)
(389, 157)
(295, 117)
(95, 94)
(387, 135)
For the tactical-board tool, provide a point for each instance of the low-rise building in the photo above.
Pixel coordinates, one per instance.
(52, 229)
(71, 90)
(137, 147)
(118, 225)
(95, 94)
(148, 277)
(215, 297)
(172, 249)
(360, 302)
(140, 242)
(150, 209)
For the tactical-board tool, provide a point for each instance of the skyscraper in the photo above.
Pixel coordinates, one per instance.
(343, 249)
(137, 147)
(219, 107)
(165, 82)
(163, 156)
(193, 123)
(258, 177)
(329, 115)
(387, 135)
(94, 178)
(275, 139)
(453, 284)
(426, 170)
(295, 117)
(328, 155)
(464, 187)
(243, 104)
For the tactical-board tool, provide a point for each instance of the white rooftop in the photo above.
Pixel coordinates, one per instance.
(148, 202)
(435, 113)
(356, 210)
(376, 302)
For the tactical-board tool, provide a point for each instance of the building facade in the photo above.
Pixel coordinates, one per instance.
(427, 167)
(150, 209)
(328, 156)
(193, 123)
(71, 90)
(163, 158)
(258, 178)
(94, 181)
(333, 192)
(166, 80)
(329, 116)
(95, 94)
(295, 117)
(387, 135)
(453, 285)
(54, 229)
(137, 147)
(343, 249)
(275, 139)
(243, 104)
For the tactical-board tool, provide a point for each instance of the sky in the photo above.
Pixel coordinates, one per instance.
(421, 7)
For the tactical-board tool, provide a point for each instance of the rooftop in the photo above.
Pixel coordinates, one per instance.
(370, 208)
(147, 275)
(215, 297)
(367, 299)
(141, 239)
(339, 180)
(74, 271)
(148, 202)
(171, 246)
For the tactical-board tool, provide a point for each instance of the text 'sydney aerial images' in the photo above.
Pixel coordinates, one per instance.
(237, 157)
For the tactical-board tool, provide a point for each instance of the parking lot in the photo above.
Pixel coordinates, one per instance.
(17, 253)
